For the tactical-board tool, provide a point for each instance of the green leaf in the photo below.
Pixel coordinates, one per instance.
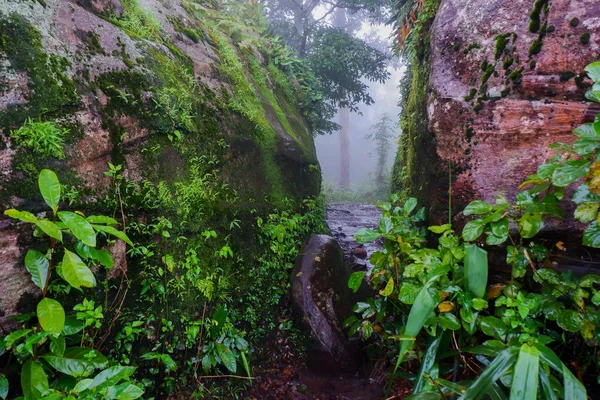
(449, 321)
(440, 228)
(365, 235)
(480, 304)
(356, 280)
(114, 232)
(408, 293)
(570, 320)
(585, 146)
(410, 205)
(483, 384)
(586, 212)
(246, 364)
(425, 396)
(525, 378)
(77, 361)
(569, 172)
(593, 71)
(427, 365)
(50, 188)
(546, 170)
(75, 272)
(124, 391)
(226, 356)
(573, 389)
(51, 315)
(591, 236)
(500, 227)
(24, 216)
(34, 380)
(493, 240)
(3, 386)
(477, 207)
(389, 288)
(58, 345)
(111, 375)
(586, 131)
(37, 265)
(72, 326)
(80, 228)
(50, 229)
(386, 225)
(473, 229)
(530, 224)
(101, 219)
(476, 270)
(494, 327)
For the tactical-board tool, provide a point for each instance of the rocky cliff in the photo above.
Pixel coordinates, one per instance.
(498, 82)
(204, 131)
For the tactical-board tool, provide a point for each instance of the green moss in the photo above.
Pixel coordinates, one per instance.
(138, 22)
(505, 92)
(501, 43)
(52, 92)
(567, 75)
(469, 133)
(574, 22)
(478, 107)
(532, 64)
(550, 29)
(471, 94)
(515, 76)
(535, 47)
(508, 62)
(585, 38)
(92, 43)
(472, 46)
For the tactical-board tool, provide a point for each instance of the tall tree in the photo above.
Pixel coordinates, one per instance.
(382, 133)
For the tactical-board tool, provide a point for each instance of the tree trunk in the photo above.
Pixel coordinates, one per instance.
(339, 21)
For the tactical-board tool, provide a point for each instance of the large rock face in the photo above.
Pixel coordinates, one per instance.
(496, 95)
(156, 88)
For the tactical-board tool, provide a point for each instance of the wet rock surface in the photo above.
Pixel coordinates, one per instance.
(320, 295)
(344, 220)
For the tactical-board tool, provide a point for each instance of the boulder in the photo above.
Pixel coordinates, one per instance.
(320, 295)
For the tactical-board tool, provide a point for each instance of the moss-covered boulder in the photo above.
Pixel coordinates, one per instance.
(202, 128)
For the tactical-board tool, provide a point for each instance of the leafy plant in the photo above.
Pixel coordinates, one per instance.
(44, 138)
(43, 346)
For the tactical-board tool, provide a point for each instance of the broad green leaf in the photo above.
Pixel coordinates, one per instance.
(386, 225)
(593, 71)
(546, 385)
(546, 170)
(3, 386)
(530, 224)
(356, 280)
(80, 228)
(9, 340)
(573, 389)
(586, 212)
(570, 320)
(500, 227)
(449, 321)
(227, 357)
(77, 361)
(75, 272)
(586, 131)
(483, 384)
(410, 205)
(591, 236)
(408, 293)
(593, 95)
(365, 235)
(425, 396)
(34, 380)
(473, 229)
(72, 326)
(493, 240)
(427, 364)
(51, 315)
(24, 216)
(50, 188)
(112, 374)
(570, 172)
(476, 270)
(494, 327)
(585, 146)
(124, 391)
(58, 345)
(440, 228)
(101, 219)
(389, 288)
(37, 265)
(114, 232)
(50, 229)
(102, 256)
(525, 378)
(82, 385)
(477, 207)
